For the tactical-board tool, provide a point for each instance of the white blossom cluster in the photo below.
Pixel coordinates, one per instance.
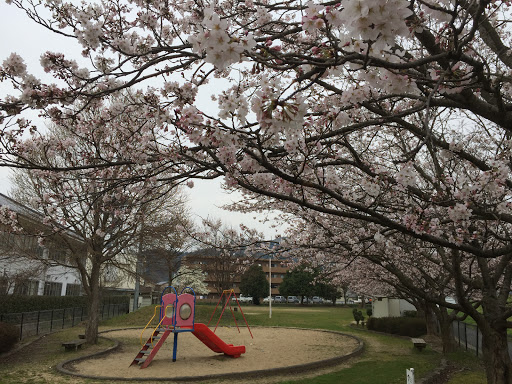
(362, 21)
(220, 48)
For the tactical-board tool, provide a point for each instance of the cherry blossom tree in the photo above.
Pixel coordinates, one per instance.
(194, 278)
(95, 205)
(389, 263)
(395, 113)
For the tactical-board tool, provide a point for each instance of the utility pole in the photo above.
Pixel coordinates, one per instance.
(270, 287)
(136, 291)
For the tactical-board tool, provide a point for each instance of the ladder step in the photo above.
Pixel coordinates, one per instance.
(140, 360)
(145, 352)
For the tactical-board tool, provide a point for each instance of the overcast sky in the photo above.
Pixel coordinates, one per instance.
(29, 40)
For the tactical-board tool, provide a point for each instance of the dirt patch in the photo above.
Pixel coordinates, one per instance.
(269, 350)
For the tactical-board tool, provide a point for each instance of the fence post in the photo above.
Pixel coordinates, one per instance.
(477, 340)
(63, 317)
(37, 325)
(458, 331)
(51, 322)
(466, 335)
(410, 375)
(21, 327)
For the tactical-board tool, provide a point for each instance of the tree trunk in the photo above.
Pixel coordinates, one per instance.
(430, 319)
(93, 306)
(496, 357)
(445, 325)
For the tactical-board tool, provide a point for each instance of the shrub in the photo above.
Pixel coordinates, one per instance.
(404, 326)
(8, 337)
(410, 313)
(358, 315)
(369, 312)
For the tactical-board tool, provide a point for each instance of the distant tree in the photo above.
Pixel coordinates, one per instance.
(327, 291)
(254, 283)
(299, 282)
(165, 236)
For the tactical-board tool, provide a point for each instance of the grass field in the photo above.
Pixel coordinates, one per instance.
(384, 360)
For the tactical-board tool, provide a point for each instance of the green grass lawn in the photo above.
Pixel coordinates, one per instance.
(384, 360)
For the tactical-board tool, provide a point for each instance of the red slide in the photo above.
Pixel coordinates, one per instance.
(215, 343)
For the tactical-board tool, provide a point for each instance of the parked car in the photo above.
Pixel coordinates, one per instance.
(266, 299)
(280, 299)
(293, 299)
(242, 299)
(317, 300)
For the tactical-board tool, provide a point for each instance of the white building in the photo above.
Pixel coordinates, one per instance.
(26, 268)
(383, 306)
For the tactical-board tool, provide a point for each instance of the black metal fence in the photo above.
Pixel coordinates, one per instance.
(40, 322)
(469, 337)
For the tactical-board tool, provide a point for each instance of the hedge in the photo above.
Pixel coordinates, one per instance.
(17, 304)
(404, 326)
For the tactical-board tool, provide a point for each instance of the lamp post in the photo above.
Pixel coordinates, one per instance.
(270, 287)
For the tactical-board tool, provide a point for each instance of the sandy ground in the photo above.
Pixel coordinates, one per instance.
(270, 348)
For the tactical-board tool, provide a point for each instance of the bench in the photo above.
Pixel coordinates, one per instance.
(73, 344)
(419, 343)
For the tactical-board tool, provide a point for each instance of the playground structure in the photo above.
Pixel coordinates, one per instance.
(177, 315)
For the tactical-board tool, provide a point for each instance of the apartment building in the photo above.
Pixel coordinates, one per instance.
(28, 268)
(225, 271)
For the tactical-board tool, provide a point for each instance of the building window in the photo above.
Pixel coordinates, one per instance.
(26, 287)
(58, 255)
(73, 289)
(52, 289)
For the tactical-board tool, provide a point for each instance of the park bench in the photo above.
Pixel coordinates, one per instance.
(419, 343)
(73, 344)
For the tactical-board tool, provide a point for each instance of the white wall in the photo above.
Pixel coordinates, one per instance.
(380, 307)
(390, 307)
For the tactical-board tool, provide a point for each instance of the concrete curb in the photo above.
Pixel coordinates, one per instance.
(61, 367)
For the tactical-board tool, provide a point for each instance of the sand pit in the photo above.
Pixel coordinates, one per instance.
(272, 351)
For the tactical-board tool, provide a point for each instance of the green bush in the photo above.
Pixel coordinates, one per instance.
(358, 315)
(8, 337)
(410, 313)
(18, 304)
(404, 326)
